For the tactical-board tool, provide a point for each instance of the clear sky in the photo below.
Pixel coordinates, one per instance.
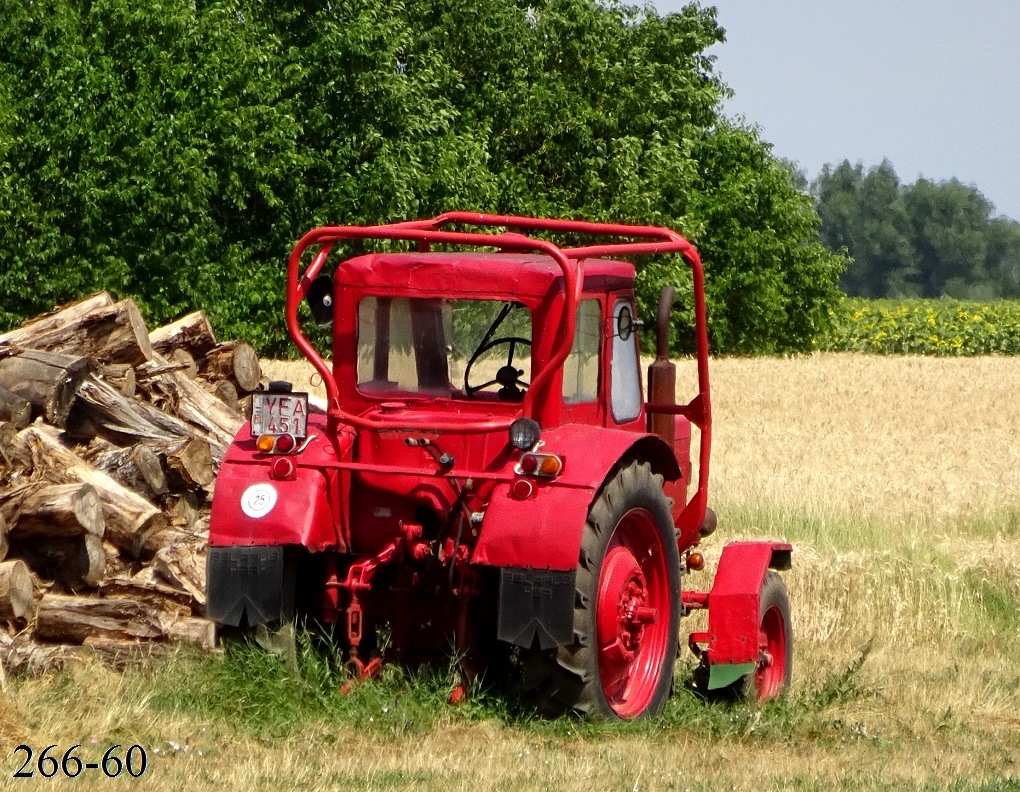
(931, 85)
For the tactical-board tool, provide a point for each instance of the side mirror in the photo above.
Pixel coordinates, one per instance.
(320, 300)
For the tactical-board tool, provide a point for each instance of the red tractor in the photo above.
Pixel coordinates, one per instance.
(487, 477)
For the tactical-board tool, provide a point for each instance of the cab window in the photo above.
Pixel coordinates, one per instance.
(625, 373)
(581, 368)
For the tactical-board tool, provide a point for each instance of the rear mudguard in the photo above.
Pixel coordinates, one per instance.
(252, 508)
(536, 540)
(543, 530)
(733, 608)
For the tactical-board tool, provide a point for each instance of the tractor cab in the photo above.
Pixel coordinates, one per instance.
(470, 335)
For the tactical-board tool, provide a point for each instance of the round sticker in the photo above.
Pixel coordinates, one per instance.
(258, 500)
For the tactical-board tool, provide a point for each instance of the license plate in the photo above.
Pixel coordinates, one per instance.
(279, 414)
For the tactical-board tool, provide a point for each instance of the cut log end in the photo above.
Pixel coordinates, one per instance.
(17, 594)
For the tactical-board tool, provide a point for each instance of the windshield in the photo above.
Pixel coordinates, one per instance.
(462, 349)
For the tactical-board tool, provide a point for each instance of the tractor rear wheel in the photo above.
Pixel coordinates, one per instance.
(626, 609)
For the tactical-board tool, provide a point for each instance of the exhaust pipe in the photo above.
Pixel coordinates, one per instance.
(662, 372)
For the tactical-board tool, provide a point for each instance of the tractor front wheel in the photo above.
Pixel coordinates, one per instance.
(626, 610)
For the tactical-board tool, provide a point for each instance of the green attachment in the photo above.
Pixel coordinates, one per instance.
(725, 674)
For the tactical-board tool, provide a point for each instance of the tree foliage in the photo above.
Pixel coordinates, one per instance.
(927, 239)
(174, 150)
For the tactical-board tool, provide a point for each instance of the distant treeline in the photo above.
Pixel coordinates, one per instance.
(926, 239)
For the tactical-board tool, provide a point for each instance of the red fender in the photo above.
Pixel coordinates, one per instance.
(250, 507)
(734, 602)
(543, 530)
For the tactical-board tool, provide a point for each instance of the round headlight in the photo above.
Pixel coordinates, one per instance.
(524, 433)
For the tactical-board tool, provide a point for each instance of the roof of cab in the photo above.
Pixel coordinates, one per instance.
(477, 274)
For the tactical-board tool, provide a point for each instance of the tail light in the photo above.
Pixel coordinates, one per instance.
(276, 444)
(544, 465)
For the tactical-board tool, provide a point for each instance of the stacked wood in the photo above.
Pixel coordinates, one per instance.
(104, 499)
(71, 619)
(129, 516)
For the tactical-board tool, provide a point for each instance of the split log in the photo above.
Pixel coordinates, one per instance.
(116, 564)
(129, 516)
(184, 398)
(48, 380)
(56, 320)
(71, 619)
(4, 545)
(234, 361)
(195, 631)
(138, 468)
(162, 537)
(43, 510)
(153, 369)
(183, 510)
(183, 567)
(105, 333)
(73, 562)
(122, 377)
(191, 333)
(126, 420)
(159, 596)
(25, 657)
(185, 362)
(15, 409)
(17, 595)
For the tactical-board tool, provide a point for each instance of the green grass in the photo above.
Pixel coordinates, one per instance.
(261, 696)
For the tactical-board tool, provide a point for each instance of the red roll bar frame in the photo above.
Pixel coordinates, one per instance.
(426, 232)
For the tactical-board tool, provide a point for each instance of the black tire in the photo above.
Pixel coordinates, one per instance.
(774, 603)
(629, 520)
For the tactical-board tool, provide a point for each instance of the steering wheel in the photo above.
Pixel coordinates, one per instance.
(512, 387)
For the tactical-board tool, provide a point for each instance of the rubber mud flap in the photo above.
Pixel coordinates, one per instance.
(250, 584)
(536, 602)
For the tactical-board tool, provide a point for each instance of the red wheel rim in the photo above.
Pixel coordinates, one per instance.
(770, 675)
(633, 614)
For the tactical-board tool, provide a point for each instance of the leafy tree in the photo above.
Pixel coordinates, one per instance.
(174, 150)
(154, 152)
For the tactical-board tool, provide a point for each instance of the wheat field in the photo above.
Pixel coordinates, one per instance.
(898, 482)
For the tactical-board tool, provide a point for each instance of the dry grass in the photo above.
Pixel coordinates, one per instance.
(896, 478)
(889, 438)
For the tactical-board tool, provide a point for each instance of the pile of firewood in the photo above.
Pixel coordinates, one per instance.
(110, 439)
